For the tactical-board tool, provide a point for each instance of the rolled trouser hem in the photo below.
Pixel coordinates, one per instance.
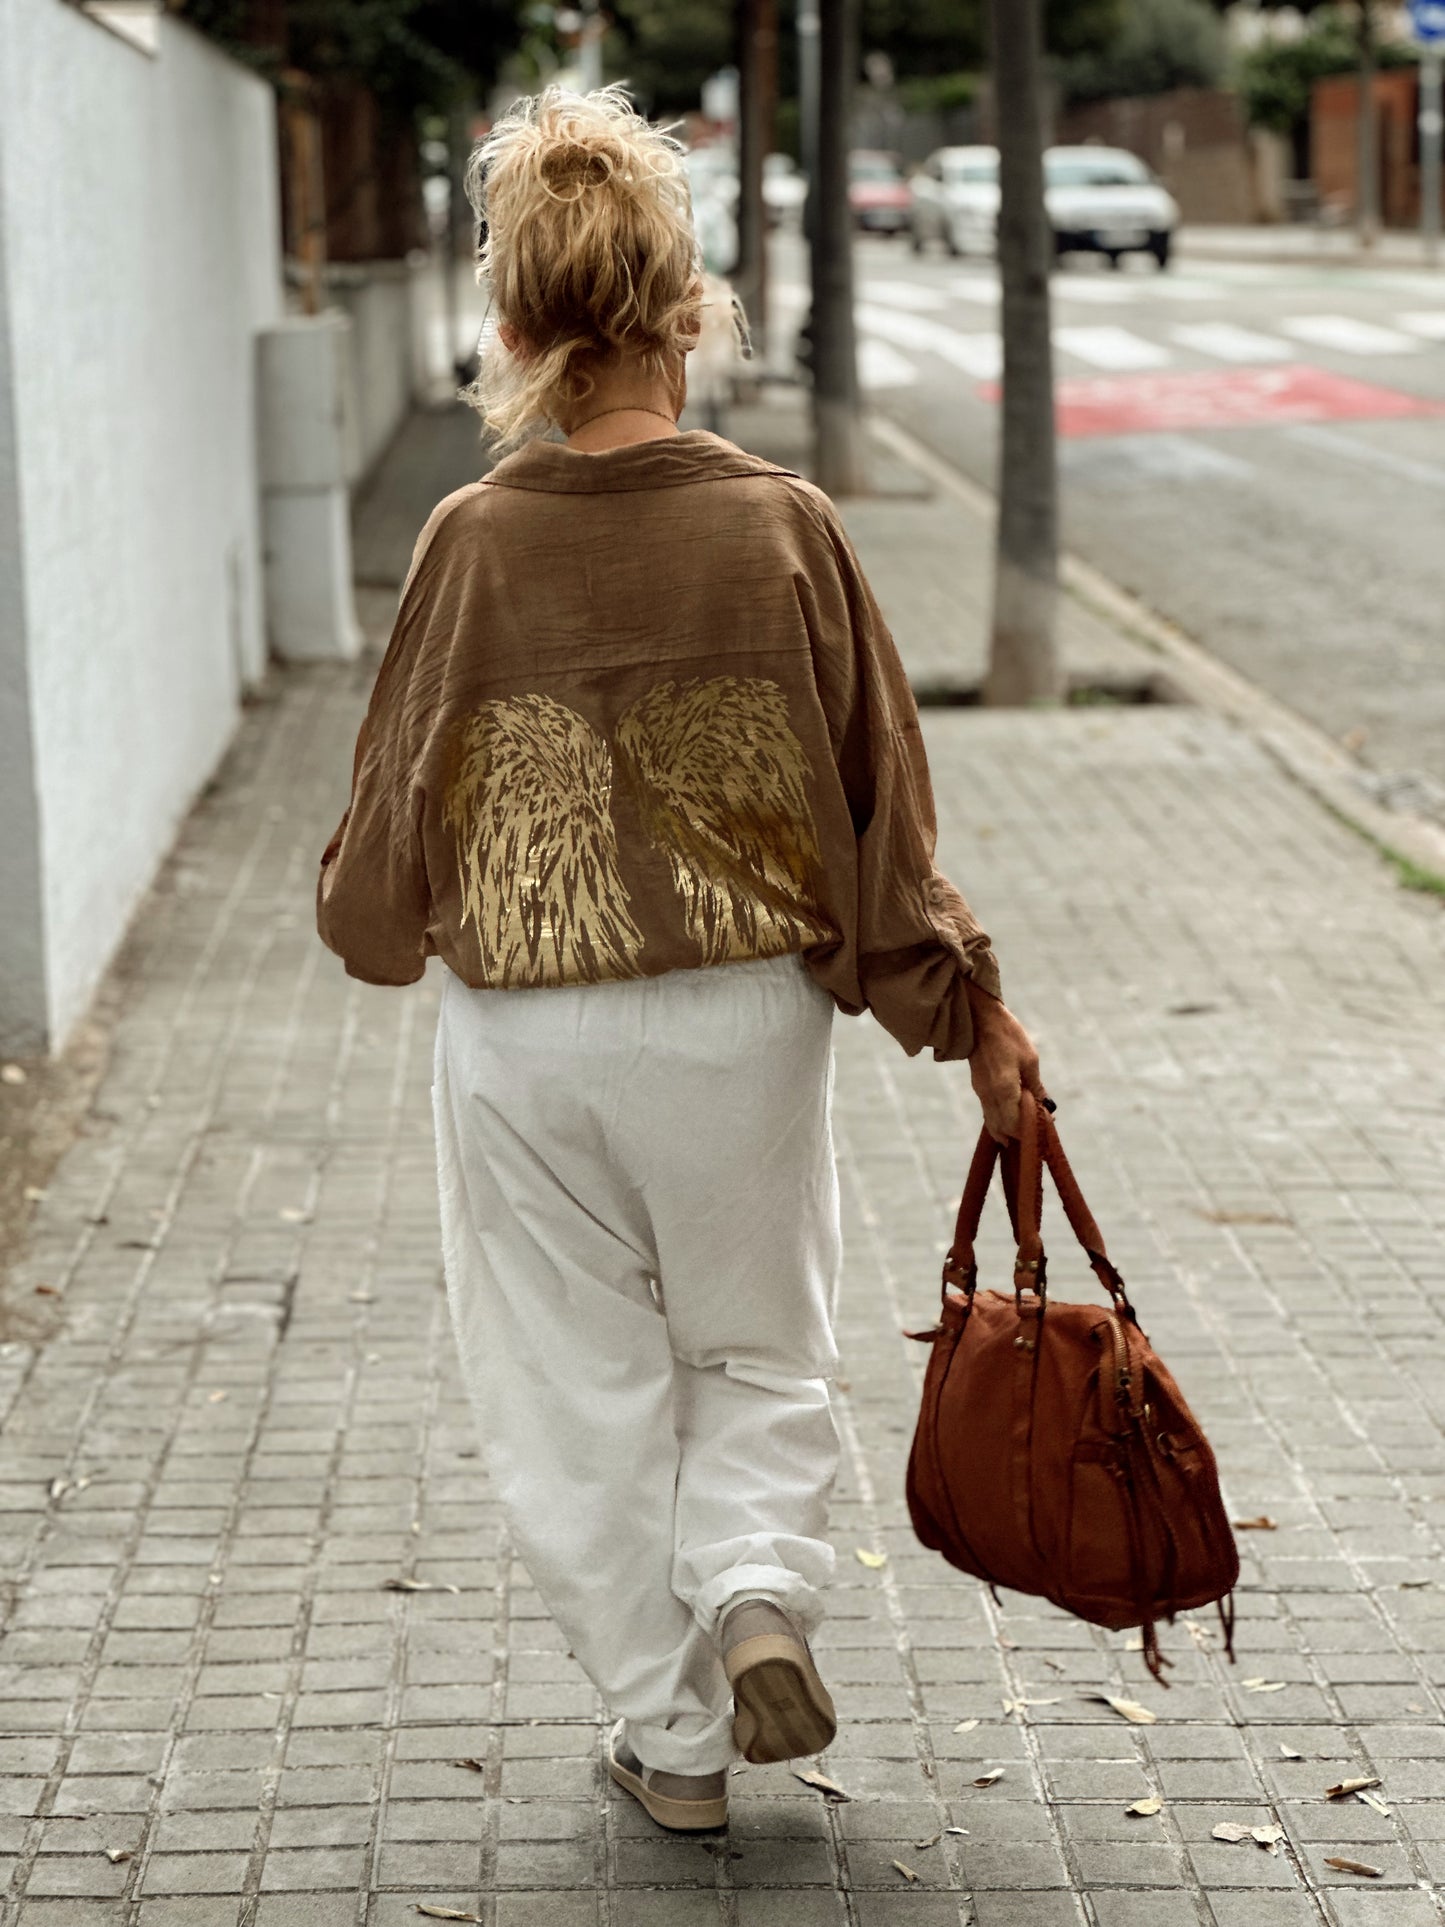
(710, 1750)
(802, 1601)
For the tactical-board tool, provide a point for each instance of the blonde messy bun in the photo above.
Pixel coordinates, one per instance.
(589, 250)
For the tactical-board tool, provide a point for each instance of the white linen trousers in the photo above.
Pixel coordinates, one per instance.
(640, 1229)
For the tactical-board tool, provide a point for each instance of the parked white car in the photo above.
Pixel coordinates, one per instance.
(1100, 200)
(955, 200)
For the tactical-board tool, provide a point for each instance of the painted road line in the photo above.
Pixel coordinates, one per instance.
(880, 366)
(1430, 323)
(1128, 461)
(907, 294)
(1226, 341)
(1422, 474)
(975, 287)
(1224, 398)
(1348, 336)
(1108, 347)
(979, 355)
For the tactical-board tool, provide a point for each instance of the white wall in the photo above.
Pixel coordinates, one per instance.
(139, 252)
(380, 299)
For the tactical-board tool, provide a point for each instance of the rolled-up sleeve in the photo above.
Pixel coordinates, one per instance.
(917, 946)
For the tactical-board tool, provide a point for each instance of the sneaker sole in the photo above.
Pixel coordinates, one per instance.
(678, 1816)
(783, 1710)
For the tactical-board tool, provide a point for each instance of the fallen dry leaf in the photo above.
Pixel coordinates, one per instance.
(416, 1585)
(1288, 1752)
(907, 1872)
(1341, 1865)
(472, 1766)
(1366, 1798)
(292, 1214)
(47, 1291)
(443, 1913)
(12, 1074)
(1262, 1524)
(1342, 1788)
(1011, 1644)
(1145, 1807)
(991, 1778)
(1264, 1685)
(922, 1846)
(117, 1856)
(1053, 1665)
(1267, 1837)
(873, 1560)
(1129, 1710)
(1231, 1832)
(1019, 1706)
(962, 1830)
(965, 1726)
(829, 1789)
(58, 1488)
(1406, 1585)
(361, 1297)
(216, 1397)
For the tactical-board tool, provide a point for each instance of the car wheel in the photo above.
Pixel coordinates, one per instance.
(1161, 246)
(950, 241)
(915, 239)
(1115, 258)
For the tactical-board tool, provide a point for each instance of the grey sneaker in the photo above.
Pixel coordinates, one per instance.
(682, 1802)
(782, 1710)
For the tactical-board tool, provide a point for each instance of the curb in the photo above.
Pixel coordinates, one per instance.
(1306, 753)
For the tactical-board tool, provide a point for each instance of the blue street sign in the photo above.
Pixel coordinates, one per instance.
(1427, 17)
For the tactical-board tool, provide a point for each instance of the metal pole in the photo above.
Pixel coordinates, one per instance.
(1432, 123)
(757, 102)
(837, 419)
(808, 29)
(589, 50)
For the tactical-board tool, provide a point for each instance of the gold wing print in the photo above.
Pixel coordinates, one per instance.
(530, 806)
(721, 783)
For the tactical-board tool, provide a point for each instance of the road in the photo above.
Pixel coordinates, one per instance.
(1256, 451)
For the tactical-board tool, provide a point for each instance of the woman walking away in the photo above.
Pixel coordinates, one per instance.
(641, 767)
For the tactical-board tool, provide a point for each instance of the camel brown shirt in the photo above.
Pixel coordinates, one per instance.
(640, 712)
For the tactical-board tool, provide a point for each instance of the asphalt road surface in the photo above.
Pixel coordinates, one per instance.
(1256, 451)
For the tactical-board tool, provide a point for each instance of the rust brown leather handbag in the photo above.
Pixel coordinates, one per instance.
(1054, 1452)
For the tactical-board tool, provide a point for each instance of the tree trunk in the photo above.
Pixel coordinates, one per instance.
(757, 108)
(837, 419)
(1367, 166)
(1023, 659)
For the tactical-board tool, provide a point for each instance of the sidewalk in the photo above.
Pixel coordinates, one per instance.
(1302, 241)
(245, 1425)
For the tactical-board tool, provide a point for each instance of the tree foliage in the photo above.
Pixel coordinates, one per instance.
(1276, 78)
(1160, 45)
(413, 54)
(667, 48)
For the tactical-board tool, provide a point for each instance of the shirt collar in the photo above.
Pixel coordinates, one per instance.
(669, 461)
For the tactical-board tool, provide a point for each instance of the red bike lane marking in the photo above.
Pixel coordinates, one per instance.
(1223, 398)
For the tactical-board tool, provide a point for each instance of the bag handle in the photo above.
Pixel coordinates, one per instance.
(1024, 1160)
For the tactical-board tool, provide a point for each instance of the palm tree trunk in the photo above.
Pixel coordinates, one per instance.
(837, 415)
(1023, 661)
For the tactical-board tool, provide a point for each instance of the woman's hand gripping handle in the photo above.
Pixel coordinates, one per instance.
(1002, 1063)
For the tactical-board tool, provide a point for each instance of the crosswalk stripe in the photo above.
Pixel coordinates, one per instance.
(1110, 347)
(1430, 323)
(880, 366)
(1228, 342)
(913, 295)
(1348, 335)
(975, 287)
(979, 355)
